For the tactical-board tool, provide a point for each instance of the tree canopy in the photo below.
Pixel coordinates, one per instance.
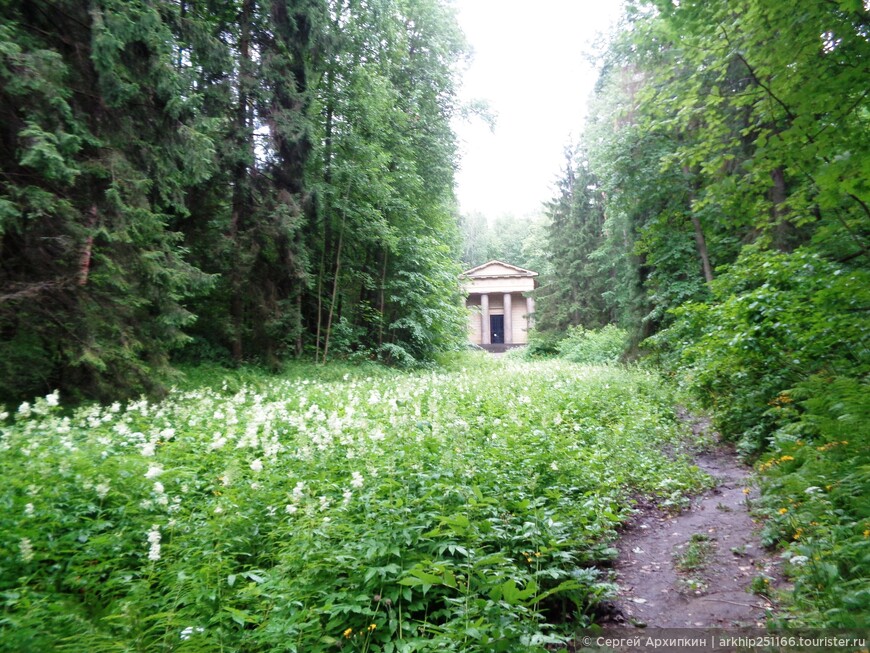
(244, 180)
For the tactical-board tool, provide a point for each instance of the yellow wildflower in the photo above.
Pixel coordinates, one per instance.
(347, 633)
(746, 490)
(782, 511)
(373, 626)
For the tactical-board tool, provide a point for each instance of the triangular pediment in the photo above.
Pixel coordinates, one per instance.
(497, 269)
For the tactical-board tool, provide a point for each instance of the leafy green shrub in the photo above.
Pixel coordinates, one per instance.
(775, 320)
(593, 346)
(542, 344)
(816, 484)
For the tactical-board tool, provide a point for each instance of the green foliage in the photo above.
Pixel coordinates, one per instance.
(512, 239)
(695, 555)
(775, 321)
(735, 232)
(573, 291)
(542, 344)
(593, 347)
(99, 146)
(249, 178)
(454, 511)
(816, 481)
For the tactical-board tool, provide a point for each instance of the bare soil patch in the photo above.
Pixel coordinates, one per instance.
(695, 569)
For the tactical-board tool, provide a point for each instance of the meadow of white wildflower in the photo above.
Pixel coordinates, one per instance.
(450, 511)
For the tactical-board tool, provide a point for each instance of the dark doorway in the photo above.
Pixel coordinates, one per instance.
(496, 329)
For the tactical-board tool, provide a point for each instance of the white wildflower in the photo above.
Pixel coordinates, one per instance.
(158, 487)
(154, 471)
(28, 509)
(324, 503)
(167, 434)
(102, 490)
(255, 486)
(813, 489)
(218, 510)
(26, 548)
(148, 449)
(24, 409)
(357, 480)
(271, 510)
(299, 491)
(257, 465)
(291, 508)
(190, 630)
(554, 466)
(53, 398)
(348, 495)
(154, 541)
(799, 560)
(115, 407)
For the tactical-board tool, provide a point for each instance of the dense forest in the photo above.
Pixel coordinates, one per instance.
(237, 180)
(260, 180)
(718, 204)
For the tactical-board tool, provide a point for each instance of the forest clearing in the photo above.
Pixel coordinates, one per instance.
(462, 510)
(239, 403)
(469, 509)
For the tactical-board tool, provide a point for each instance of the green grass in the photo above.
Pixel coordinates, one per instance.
(465, 509)
(695, 555)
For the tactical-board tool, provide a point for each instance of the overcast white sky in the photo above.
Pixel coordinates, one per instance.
(531, 64)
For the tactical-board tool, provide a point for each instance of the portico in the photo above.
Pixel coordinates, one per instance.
(500, 310)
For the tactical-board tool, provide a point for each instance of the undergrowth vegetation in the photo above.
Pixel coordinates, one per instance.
(577, 344)
(465, 511)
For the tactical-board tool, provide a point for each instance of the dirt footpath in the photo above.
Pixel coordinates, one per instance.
(694, 569)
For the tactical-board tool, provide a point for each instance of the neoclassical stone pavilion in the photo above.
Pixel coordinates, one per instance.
(501, 309)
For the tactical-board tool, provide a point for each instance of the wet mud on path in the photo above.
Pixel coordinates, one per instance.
(695, 569)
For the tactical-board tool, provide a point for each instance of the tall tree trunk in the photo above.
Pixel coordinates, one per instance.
(700, 240)
(334, 289)
(701, 245)
(85, 259)
(240, 179)
(783, 229)
(382, 302)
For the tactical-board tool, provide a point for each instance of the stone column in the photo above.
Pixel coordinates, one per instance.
(508, 320)
(530, 309)
(484, 320)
